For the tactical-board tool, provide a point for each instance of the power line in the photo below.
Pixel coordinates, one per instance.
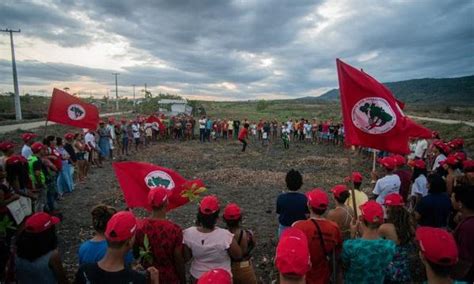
(18, 115)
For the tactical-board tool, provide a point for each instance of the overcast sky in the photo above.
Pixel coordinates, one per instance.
(230, 50)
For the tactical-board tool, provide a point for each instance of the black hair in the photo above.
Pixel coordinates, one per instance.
(246, 125)
(46, 142)
(59, 141)
(357, 185)
(343, 196)
(318, 211)
(207, 221)
(232, 223)
(401, 219)
(465, 194)
(294, 180)
(440, 270)
(436, 184)
(417, 172)
(373, 226)
(101, 214)
(31, 246)
(50, 138)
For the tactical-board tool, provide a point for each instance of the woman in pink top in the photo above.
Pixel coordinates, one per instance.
(208, 246)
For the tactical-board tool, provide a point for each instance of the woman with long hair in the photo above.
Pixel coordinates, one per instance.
(419, 187)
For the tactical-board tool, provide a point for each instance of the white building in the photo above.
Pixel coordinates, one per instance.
(176, 107)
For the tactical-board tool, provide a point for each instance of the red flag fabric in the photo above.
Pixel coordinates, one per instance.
(372, 116)
(153, 119)
(137, 178)
(67, 109)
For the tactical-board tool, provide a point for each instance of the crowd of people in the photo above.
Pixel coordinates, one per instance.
(413, 222)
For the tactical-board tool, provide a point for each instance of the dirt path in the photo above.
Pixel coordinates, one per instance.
(252, 179)
(444, 121)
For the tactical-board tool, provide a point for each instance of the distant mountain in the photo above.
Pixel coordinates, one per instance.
(452, 91)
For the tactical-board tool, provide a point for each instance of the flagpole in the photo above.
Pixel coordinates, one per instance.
(45, 128)
(351, 183)
(374, 158)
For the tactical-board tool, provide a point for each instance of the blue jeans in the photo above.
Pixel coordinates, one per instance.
(202, 134)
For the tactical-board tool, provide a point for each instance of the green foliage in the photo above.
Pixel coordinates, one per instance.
(6, 224)
(193, 194)
(145, 253)
(262, 105)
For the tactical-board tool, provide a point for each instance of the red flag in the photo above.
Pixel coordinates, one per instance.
(137, 178)
(67, 109)
(372, 116)
(153, 119)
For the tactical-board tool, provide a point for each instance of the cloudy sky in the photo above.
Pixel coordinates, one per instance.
(230, 50)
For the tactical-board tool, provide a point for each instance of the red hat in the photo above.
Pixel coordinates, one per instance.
(157, 197)
(123, 120)
(458, 142)
(101, 121)
(215, 276)
(372, 212)
(468, 165)
(437, 245)
(450, 160)
(292, 253)
(356, 177)
(28, 136)
(460, 156)
(36, 147)
(419, 164)
(209, 205)
(388, 162)
(232, 212)
(399, 160)
(40, 222)
(442, 146)
(338, 189)
(393, 199)
(111, 119)
(317, 198)
(435, 134)
(69, 136)
(14, 159)
(121, 226)
(6, 145)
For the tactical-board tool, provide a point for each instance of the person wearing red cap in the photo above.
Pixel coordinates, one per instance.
(451, 166)
(434, 209)
(292, 257)
(38, 174)
(366, 258)
(324, 238)
(438, 252)
(165, 239)
(104, 140)
(216, 276)
(463, 201)
(404, 174)
(360, 196)
(120, 236)
(38, 259)
(342, 215)
(390, 183)
(419, 186)
(209, 246)
(93, 149)
(81, 153)
(242, 269)
(28, 140)
(439, 153)
(16, 168)
(400, 229)
(243, 135)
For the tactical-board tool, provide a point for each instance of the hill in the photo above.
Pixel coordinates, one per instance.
(451, 91)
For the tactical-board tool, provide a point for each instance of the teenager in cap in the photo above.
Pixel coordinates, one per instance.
(242, 269)
(404, 174)
(209, 246)
(38, 174)
(243, 135)
(292, 258)
(433, 210)
(400, 229)
(27, 142)
(165, 239)
(324, 238)
(438, 252)
(291, 206)
(463, 201)
(216, 276)
(120, 235)
(360, 196)
(342, 214)
(38, 259)
(366, 258)
(390, 183)
(419, 187)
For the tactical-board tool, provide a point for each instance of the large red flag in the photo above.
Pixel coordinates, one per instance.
(67, 109)
(153, 119)
(137, 178)
(372, 116)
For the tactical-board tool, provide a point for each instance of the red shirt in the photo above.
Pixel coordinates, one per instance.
(58, 162)
(325, 128)
(320, 267)
(164, 237)
(405, 179)
(463, 236)
(243, 133)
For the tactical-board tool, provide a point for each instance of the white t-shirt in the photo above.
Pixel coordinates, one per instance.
(26, 151)
(111, 128)
(136, 131)
(439, 159)
(209, 250)
(420, 148)
(386, 185)
(202, 123)
(90, 139)
(420, 186)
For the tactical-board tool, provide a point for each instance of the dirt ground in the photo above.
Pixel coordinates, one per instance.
(252, 179)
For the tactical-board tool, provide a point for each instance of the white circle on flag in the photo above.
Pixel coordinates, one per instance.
(76, 112)
(156, 179)
(373, 115)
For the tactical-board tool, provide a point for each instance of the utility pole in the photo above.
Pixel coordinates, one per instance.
(18, 115)
(133, 96)
(145, 89)
(116, 92)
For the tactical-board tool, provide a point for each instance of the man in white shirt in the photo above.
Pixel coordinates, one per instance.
(89, 139)
(420, 149)
(390, 183)
(202, 128)
(28, 140)
(111, 128)
(136, 134)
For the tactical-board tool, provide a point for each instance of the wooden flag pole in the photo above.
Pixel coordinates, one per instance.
(351, 183)
(374, 160)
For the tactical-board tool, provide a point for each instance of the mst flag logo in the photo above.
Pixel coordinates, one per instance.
(373, 115)
(76, 112)
(157, 179)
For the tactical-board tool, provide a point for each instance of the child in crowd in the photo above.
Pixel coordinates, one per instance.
(342, 214)
(360, 196)
(243, 135)
(292, 258)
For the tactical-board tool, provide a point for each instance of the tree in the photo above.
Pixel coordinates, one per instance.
(262, 105)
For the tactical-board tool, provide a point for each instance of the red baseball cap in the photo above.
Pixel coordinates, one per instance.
(292, 253)
(209, 205)
(157, 197)
(69, 136)
(121, 226)
(317, 198)
(372, 212)
(393, 199)
(461, 156)
(458, 142)
(356, 177)
(215, 276)
(338, 189)
(6, 145)
(388, 162)
(14, 159)
(435, 134)
(37, 146)
(399, 160)
(40, 222)
(437, 245)
(468, 165)
(232, 212)
(28, 136)
(450, 160)
(111, 119)
(419, 164)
